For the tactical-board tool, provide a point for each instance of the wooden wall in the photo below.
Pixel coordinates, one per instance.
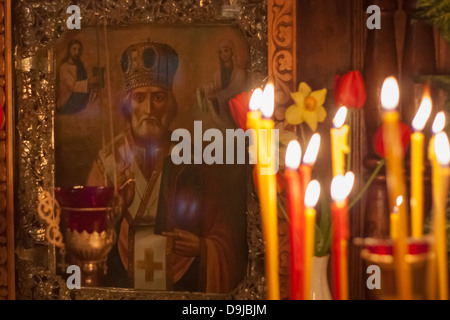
(329, 38)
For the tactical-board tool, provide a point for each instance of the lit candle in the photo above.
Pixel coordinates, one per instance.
(311, 197)
(254, 123)
(394, 177)
(268, 192)
(438, 126)
(417, 167)
(440, 191)
(308, 162)
(340, 189)
(339, 146)
(394, 219)
(296, 220)
(305, 177)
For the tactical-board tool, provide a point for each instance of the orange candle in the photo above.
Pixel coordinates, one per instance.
(395, 181)
(268, 192)
(340, 189)
(311, 197)
(296, 219)
(417, 167)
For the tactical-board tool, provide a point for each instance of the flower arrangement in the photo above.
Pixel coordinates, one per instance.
(308, 109)
(331, 231)
(301, 120)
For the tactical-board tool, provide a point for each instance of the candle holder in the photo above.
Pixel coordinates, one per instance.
(380, 252)
(88, 224)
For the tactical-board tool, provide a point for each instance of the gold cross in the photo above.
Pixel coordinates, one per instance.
(149, 265)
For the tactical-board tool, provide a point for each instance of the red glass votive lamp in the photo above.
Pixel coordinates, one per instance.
(85, 208)
(380, 252)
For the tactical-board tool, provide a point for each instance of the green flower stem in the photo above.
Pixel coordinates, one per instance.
(368, 183)
(283, 212)
(302, 131)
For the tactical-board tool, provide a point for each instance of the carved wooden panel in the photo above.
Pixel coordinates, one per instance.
(281, 17)
(282, 49)
(6, 190)
(312, 41)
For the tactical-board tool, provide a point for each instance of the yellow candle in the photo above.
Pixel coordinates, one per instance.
(438, 126)
(394, 219)
(254, 123)
(394, 225)
(268, 193)
(395, 182)
(339, 146)
(311, 198)
(440, 189)
(417, 167)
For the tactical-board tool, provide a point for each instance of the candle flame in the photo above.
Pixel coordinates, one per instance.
(442, 147)
(312, 150)
(256, 100)
(399, 201)
(390, 94)
(293, 155)
(422, 114)
(341, 186)
(439, 122)
(267, 106)
(312, 194)
(350, 179)
(339, 118)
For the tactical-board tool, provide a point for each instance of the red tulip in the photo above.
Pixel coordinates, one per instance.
(349, 90)
(378, 140)
(239, 106)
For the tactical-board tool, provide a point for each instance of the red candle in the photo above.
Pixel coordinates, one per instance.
(340, 188)
(308, 161)
(295, 209)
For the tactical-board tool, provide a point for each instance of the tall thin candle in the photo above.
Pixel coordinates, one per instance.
(305, 177)
(268, 193)
(440, 192)
(339, 144)
(296, 219)
(254, 123)
(308, 162)
(438, 126)
(311, 197)
(417, 167)
(395, 181)
(340, 189)
(394, 219)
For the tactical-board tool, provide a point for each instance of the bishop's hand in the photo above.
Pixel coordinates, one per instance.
(185, 243)
(127, 186)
